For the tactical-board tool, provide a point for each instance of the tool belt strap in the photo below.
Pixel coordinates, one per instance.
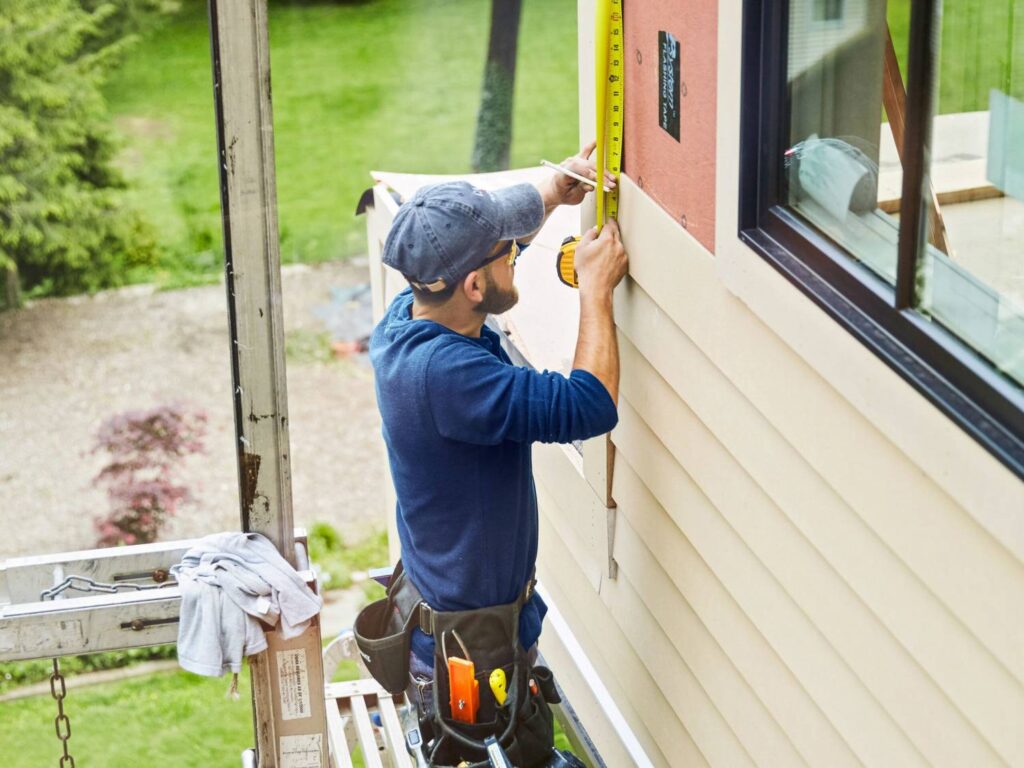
(414, 610)
(426, 613)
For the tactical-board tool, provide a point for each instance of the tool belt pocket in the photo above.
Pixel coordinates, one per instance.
(522, 722)
(523, 725)
(385, 652)
(383, 635)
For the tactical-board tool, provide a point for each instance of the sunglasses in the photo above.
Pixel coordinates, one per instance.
(510, 252)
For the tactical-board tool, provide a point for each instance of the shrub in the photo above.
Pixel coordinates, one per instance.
(145, 449)
(18, 673)
(327, 554)
(335, 562)
(63, 223)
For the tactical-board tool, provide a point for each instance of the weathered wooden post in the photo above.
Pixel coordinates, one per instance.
(287, 680)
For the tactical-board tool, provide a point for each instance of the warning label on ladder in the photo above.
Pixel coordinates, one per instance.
(304, 751)
(294, 681)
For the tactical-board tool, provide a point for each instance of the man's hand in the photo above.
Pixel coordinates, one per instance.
(600, 261)
(565, 190)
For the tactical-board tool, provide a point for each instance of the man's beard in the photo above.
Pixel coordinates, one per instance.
(496, 300)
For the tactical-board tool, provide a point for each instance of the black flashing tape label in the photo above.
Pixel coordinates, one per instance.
(668, 83)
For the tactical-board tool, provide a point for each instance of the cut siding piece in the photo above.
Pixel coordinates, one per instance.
(582, 518)
(935, 726)
(635, 692)
(714, 702)
(983, 690)
(840, 694)
(914, 517)
(643, 520)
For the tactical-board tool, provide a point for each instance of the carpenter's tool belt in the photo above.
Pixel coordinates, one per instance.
(523, 725)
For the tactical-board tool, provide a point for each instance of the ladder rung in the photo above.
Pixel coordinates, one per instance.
(364, 729)
(336, 735)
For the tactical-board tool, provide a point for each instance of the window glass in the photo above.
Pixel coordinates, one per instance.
(843, 169)
(971, 267)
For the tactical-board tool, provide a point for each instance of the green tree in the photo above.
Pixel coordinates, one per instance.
(126, 18)
(63, 225)
(494, 121)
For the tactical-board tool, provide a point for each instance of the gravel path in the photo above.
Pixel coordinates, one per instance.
(68, 364)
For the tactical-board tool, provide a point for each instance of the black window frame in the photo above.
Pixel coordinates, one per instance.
(965, 387)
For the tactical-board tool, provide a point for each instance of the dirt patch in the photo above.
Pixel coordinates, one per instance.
(67, 364)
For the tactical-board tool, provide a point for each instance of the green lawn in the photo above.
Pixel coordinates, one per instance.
(976, 50)
(172, 718)
(376, 84)
(134, 723)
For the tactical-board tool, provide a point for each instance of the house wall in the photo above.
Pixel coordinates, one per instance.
(814, 565)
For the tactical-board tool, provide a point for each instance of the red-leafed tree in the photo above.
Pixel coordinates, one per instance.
(146, 449)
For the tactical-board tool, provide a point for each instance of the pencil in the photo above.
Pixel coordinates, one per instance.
(571, 174)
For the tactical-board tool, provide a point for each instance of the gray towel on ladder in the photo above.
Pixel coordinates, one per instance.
(229, 583)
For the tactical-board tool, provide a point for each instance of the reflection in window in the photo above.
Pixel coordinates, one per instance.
(828, 10)
(971, 272)
(843, 170)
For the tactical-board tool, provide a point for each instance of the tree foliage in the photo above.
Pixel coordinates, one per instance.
(63, 223)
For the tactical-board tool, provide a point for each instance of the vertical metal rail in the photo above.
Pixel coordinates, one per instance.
(924, 31)
(287, 680)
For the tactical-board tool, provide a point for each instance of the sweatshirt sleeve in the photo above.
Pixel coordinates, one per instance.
(476, 398)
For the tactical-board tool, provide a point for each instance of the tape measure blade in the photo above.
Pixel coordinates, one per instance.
(614, 101)
(602, 25)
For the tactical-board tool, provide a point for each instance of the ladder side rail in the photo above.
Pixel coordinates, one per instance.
(287, 715)
(89, 624)
(23, 579)
(97, 622)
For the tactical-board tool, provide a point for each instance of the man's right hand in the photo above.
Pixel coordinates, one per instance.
(600, 261)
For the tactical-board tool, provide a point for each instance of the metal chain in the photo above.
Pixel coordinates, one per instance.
(85, 584)
(61, 723)
(58, 686)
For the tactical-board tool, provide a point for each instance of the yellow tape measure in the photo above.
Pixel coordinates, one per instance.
(609, 80)
(609, 83)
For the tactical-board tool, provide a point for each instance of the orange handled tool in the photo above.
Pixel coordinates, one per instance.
(464, 690)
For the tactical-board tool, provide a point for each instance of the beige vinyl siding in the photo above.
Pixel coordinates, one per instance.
(873, 619)
(635, 691)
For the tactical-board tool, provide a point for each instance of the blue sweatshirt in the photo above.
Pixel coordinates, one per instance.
(458, 421)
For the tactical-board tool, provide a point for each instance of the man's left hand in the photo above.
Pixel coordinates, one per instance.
(565, 190)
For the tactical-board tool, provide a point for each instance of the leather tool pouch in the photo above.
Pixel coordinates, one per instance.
(523, 725)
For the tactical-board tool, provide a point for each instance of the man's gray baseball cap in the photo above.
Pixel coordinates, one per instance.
(447, 230)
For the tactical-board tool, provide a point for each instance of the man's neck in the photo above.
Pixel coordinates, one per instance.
(462, 320)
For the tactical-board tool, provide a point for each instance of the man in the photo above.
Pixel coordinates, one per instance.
(458, 417)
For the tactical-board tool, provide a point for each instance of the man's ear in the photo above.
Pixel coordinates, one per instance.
(473, 286)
